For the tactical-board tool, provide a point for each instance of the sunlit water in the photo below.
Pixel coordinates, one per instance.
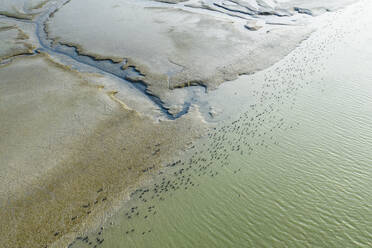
(292, 169)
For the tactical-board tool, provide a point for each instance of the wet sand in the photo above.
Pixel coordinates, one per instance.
(22, 9)
(193, 43)
(14, 41)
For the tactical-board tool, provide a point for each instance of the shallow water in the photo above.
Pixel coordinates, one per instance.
(291, 169)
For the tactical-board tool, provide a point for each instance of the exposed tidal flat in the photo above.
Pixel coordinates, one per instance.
(103, 147)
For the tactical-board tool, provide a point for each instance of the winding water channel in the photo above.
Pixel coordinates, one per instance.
(106, 66)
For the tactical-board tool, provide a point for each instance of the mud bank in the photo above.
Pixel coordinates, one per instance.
(192, 43)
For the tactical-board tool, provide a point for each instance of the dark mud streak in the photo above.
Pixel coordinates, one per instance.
(247, 12)
(197, 83)
(18, 19)
(14, 16)
(102, 65)
(7, 60)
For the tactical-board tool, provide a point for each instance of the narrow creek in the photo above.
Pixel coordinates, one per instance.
(107, 66)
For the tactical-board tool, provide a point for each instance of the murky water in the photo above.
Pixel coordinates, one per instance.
(292, 169)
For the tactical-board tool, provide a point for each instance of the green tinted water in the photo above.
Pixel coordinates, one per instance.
(293, 168)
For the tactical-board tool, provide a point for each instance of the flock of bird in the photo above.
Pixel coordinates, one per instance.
(256, 128)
